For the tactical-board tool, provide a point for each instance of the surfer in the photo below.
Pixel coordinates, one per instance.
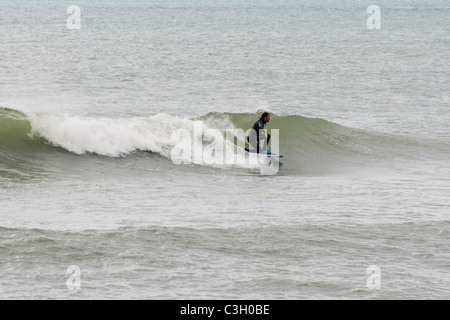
(258, 134)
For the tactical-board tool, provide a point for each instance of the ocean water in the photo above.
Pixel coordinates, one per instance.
(113, 183)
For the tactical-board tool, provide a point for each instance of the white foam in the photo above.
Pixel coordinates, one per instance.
(119, 137)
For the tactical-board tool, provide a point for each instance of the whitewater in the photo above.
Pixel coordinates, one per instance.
(118, 179)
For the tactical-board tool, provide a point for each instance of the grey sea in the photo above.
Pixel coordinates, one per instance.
(118, 179)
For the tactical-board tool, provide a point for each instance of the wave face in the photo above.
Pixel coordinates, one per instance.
(17, 149)
(317, 145)
(309, 144)
(14, 128)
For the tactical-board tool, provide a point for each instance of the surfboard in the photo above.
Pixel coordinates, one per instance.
(268, 154)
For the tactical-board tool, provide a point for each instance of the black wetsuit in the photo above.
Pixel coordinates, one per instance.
(258, 130)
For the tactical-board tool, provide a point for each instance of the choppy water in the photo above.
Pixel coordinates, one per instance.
(357, 209)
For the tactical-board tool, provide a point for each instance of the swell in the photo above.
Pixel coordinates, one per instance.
(27, 140)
